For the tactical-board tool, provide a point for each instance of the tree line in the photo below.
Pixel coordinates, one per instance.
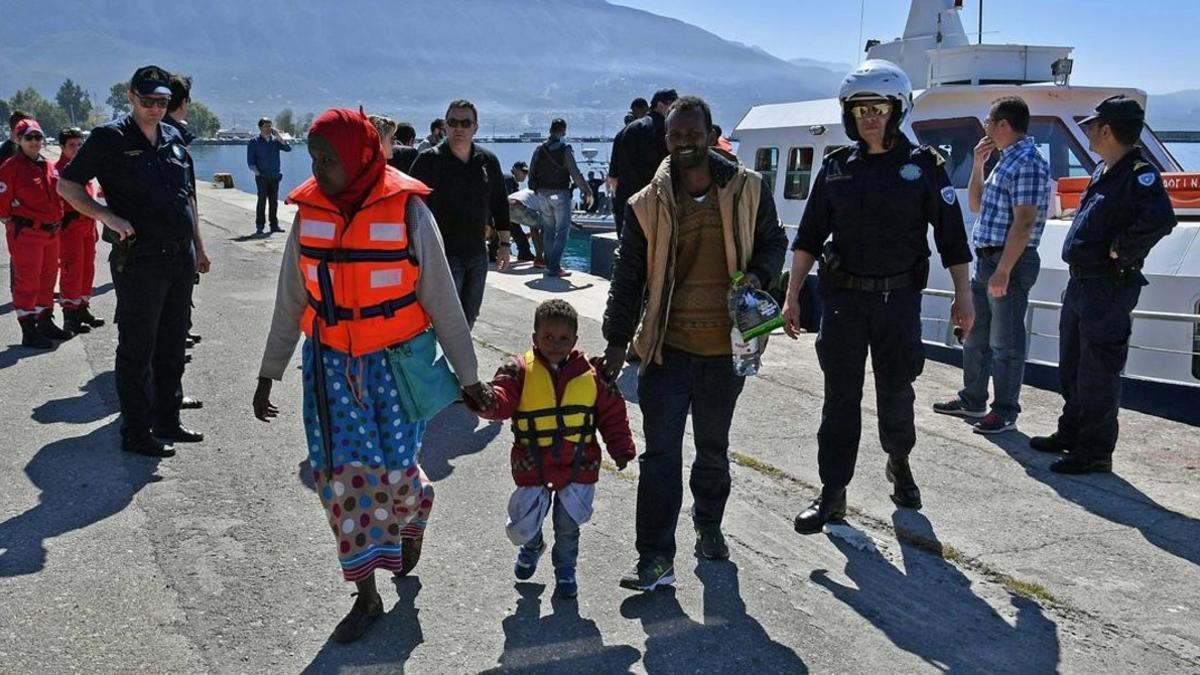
(74, 106)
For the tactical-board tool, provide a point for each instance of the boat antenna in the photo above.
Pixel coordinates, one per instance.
(980, 21)
(862, 10)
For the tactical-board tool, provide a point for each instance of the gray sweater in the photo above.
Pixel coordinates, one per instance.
(435, 292)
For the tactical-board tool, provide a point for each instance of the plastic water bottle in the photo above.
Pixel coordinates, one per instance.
(745, 353)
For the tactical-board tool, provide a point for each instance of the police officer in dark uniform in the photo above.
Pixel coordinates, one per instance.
(147, 177)
(1122, 214)
(876, 199)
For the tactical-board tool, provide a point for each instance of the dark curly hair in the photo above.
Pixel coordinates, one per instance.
(556, 310)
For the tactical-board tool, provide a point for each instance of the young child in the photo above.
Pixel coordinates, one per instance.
(557, 402)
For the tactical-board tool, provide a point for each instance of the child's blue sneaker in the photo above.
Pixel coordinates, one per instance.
(564, 582)
(527, 560)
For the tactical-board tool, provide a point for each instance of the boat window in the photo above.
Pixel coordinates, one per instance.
(955, 139)
(1196, 346)
(799, 173)
(1060, 148)
(766, 162)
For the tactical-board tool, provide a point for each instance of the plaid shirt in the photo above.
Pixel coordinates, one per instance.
(1021, 177)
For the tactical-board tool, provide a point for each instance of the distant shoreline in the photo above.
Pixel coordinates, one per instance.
(478, 139)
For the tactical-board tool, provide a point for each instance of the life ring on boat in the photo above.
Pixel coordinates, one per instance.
(1182, 187)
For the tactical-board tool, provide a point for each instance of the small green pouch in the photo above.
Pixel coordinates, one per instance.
(424, 380)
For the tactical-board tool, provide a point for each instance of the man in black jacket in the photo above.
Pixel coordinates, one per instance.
(468, 195)
(403, 153)
(673, 258)
(637, 151)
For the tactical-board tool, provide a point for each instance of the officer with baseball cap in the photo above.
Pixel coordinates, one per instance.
(148, 180)
(1122, 214)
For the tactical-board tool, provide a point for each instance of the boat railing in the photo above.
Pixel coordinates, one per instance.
(1145, 315)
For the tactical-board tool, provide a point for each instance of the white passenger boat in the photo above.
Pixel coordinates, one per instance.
(955, 82)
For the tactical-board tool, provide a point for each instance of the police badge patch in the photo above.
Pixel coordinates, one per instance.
(178, 150)
(1147, 179)
(949, 195)
(910, 172)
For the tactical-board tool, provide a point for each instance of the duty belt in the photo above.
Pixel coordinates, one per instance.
(154, 249)
(21, 222)
(840, 279)
(1104, 270)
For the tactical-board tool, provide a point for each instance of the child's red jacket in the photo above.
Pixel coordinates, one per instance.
(612, 423)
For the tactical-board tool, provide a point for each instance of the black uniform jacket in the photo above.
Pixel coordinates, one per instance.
(878, 209)
(1125, 209)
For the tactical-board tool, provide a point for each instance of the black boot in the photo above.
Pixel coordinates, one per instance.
(906, 494)
(30, 337)
(73, 322)
(825, 508)
(47, 327)
(85, 315)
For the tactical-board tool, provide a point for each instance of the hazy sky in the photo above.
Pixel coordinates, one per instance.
(1153, 45)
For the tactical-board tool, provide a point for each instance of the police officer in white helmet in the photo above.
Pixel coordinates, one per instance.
(866, 221)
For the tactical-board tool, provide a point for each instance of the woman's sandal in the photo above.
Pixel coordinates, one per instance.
(360, 618)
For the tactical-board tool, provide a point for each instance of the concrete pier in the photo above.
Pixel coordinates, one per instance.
(220, 559)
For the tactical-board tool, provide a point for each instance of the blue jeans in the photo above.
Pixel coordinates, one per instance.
(996, 347)
(556, 227)
(470, 278)
(709, 388)
(566, 537)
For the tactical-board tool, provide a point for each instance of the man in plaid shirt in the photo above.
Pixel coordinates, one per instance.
(1012, 204)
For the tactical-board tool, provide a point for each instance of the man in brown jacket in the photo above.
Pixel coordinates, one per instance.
(701, 219)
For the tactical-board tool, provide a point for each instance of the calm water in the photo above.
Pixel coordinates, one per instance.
(231, 159)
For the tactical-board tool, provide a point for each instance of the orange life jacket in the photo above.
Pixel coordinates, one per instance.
(360, 278)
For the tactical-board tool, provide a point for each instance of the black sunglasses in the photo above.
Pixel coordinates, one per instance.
(148, 102)
(462, 123)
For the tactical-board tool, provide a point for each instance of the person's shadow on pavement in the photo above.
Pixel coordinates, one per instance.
(388, 643)
(729, 640)
(453, 433)
(562, 642)
(93, 404)
(83, 481)
(1111, 497)
(929, 609)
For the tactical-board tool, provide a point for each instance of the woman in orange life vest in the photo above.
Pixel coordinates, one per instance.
(77, 249)
(388, 282)
(32, 212)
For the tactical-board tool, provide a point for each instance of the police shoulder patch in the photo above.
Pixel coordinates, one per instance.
(1147, 179)
(938, 160)
(1139, 165)
(949, 195)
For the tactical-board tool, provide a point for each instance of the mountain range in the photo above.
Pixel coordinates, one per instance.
(522, 62)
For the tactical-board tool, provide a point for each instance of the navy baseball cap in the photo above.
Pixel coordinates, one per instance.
(1116, 109)
(151, 81)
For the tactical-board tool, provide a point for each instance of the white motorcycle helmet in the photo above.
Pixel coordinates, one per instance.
(876, 79)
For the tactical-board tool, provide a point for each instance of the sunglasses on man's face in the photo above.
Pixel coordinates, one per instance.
(863, 110)
(153, 102)
(460, 123)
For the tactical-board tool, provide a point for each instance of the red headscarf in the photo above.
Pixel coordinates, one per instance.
(356, 143)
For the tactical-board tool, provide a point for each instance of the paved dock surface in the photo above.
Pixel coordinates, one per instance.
(219, 560)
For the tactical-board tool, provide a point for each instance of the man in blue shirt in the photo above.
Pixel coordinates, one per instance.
(1012, 204)
(1123, 213)
(262, 154)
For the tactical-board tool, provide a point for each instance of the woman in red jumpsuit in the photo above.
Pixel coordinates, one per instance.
(77, 249)
(32, 212)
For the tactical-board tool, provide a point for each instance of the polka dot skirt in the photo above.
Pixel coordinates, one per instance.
(378, 494)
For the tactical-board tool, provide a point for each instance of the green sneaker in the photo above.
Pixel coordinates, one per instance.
(649, 575)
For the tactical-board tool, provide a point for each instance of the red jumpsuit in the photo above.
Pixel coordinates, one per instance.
(28, 193)
(76, 253)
